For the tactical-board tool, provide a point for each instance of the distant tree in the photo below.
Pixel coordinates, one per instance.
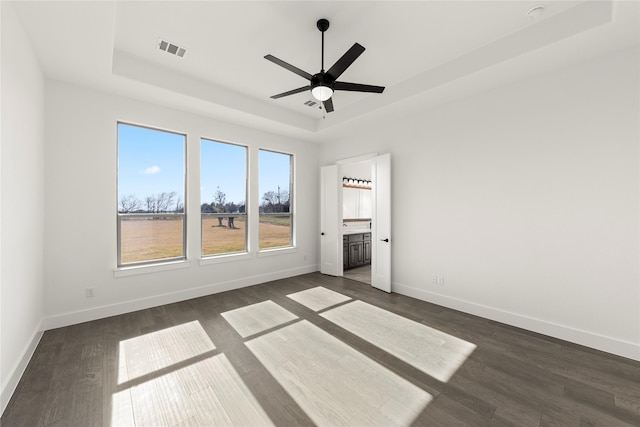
(219, 200)
(280, 196)
(231, 207)
(269, 201)
(150, 204)
(275, 201)
(179, 205)
(129, 203)
(163, 202)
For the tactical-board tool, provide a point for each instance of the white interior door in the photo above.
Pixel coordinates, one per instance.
(381, 223)
(330, 221)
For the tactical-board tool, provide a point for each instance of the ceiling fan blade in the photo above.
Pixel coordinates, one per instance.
(289, 67)
(357, 87)
(291, 92)
(347, 59)
(328, 105)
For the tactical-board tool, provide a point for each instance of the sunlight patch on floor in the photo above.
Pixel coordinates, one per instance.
(149, 353)
(434, 352)
(334, 383)
(318, 298)
(176, 376)
(205, 393)
(256, 318)
(122, 409)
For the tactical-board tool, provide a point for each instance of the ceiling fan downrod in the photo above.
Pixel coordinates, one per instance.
(323, 25)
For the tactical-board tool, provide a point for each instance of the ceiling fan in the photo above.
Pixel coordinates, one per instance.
(324, 83)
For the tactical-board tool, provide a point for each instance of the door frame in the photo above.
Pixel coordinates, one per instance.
(348, 161)
(338, 270)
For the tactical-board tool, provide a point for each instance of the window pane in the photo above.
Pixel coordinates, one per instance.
(276, 222)
(151, 171)
(150, 238)
(223, 189)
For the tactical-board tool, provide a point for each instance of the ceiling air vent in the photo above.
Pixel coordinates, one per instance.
(171, 48)
(310, 103)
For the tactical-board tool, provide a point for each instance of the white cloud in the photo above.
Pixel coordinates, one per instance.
(153, 169)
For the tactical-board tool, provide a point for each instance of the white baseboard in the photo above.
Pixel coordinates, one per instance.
(589, 339)
(12, 380)
(94, 313)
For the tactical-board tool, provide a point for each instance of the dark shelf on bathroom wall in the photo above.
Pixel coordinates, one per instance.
(356, 220)
(356, 186)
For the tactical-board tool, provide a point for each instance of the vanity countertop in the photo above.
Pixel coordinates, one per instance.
(347, 232)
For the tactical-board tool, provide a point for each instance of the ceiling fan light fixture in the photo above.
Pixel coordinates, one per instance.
(322, 93)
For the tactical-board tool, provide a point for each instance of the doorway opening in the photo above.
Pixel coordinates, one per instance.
(357, 220)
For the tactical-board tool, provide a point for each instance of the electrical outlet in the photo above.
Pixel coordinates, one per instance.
(90, 292)
(434, 279)
(441, 280)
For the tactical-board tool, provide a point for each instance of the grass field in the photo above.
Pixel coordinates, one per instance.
(146, 240)
(274, 231)
(221, 239)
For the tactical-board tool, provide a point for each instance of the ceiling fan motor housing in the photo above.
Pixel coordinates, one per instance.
(322, 79)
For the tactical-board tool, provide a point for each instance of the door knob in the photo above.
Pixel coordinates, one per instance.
(322, 234)
(384, 240)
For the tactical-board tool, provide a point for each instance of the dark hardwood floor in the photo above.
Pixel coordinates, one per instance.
(512, 378)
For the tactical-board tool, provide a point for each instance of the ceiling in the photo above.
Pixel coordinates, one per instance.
(424, 52)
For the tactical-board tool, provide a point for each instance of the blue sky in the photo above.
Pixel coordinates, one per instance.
(274, 169)
(152, 161)
(149, 162)
(222, 165)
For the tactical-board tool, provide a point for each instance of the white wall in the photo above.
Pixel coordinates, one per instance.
(360, 170)
(22, 197)
(80, 205)
(525, 198)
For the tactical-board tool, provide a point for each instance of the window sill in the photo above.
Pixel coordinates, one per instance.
(218, 259)
(277, 251)
(154, 268)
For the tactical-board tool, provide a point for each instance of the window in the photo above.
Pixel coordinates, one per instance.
(275, 185)
(151, 194)
(223, 191)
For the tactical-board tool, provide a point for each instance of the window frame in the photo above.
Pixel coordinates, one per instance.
(120, 216)
(292, 228)
(208, 257)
